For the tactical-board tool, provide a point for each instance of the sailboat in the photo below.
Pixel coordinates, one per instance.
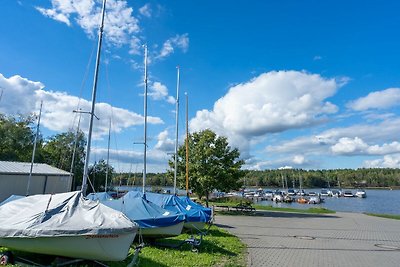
(67, 224)
(186, 199)
(195, 218)
(153, 221)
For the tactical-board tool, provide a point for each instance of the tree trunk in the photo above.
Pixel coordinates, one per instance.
(207, 199)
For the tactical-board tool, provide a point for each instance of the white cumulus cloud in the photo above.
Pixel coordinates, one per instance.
(377, 100)
(179, 41)
(159, 91)
(164, 143)
(388, 161)
(145, 10)
(119, 26)
(22, 96)
(356, 146)
(272, 102)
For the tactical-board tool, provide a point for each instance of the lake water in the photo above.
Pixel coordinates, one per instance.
(377, 201)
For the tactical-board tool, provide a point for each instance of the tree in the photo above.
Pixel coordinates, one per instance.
(212, 164)
(59, 150)
(17, 136)
(97, 176)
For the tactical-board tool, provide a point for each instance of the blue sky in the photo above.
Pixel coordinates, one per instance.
(305, 84)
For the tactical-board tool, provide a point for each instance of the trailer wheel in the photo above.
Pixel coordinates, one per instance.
(6, 258)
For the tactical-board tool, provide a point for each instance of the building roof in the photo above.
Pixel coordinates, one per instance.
(12, 167)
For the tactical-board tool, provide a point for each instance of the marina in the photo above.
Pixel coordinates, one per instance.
(377, 201)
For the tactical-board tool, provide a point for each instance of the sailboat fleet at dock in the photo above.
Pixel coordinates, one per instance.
(96, 227)
(299, 196)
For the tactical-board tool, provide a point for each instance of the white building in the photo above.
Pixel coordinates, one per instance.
(45, 179)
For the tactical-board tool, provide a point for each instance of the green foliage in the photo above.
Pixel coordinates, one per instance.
(136, 179)
(97, 175)
(59, 150)
(17, 138)
(213, 164)
(378, 177)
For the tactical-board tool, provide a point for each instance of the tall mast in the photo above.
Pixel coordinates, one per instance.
(145, 121)
(108, 154)
(96, 74)
(34, 150)
(187, 146)
(176, 128)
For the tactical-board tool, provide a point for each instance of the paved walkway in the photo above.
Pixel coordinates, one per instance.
(342, 239)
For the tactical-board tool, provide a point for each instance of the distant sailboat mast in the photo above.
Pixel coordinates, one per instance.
(108, 155)
(187, 147)
(96, 74)
(145, 121)
(34, 150)
(176, 129)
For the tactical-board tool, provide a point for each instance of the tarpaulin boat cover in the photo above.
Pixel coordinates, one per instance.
(11, 198)
(101, 196)
(190, 202)
(173, 203)
(143, 212)
(64, 214)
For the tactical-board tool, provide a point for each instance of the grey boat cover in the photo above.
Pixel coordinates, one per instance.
(64, 214)
(11, 198)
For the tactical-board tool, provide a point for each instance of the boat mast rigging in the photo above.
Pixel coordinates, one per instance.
(176, 129)
(187, 147)
(95, 78)
(34, 150)
(145, 121)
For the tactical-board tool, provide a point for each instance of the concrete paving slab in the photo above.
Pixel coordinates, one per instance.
(292, 239)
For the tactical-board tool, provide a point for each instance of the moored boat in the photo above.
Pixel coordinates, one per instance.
(195, 218)
(348, 193)
(302, 200)
(361, 193)
(66, 225)
(315, 200)
(153, 221)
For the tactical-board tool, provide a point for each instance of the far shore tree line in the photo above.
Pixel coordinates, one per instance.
(213, 164)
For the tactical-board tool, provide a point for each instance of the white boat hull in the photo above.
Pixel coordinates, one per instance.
(194, 225)
(109, 247)
(173, 230)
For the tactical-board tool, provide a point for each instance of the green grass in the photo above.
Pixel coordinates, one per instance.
(388, 216)
(309, 210)
(218, 249)
(270, 208)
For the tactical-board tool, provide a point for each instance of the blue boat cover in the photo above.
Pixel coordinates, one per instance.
(101, 196)
(195, 205)
(143, 212)
(173, 203)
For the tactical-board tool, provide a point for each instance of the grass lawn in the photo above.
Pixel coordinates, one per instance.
(218, 248)
(270, 208)
(309, 210)
(389, 216)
